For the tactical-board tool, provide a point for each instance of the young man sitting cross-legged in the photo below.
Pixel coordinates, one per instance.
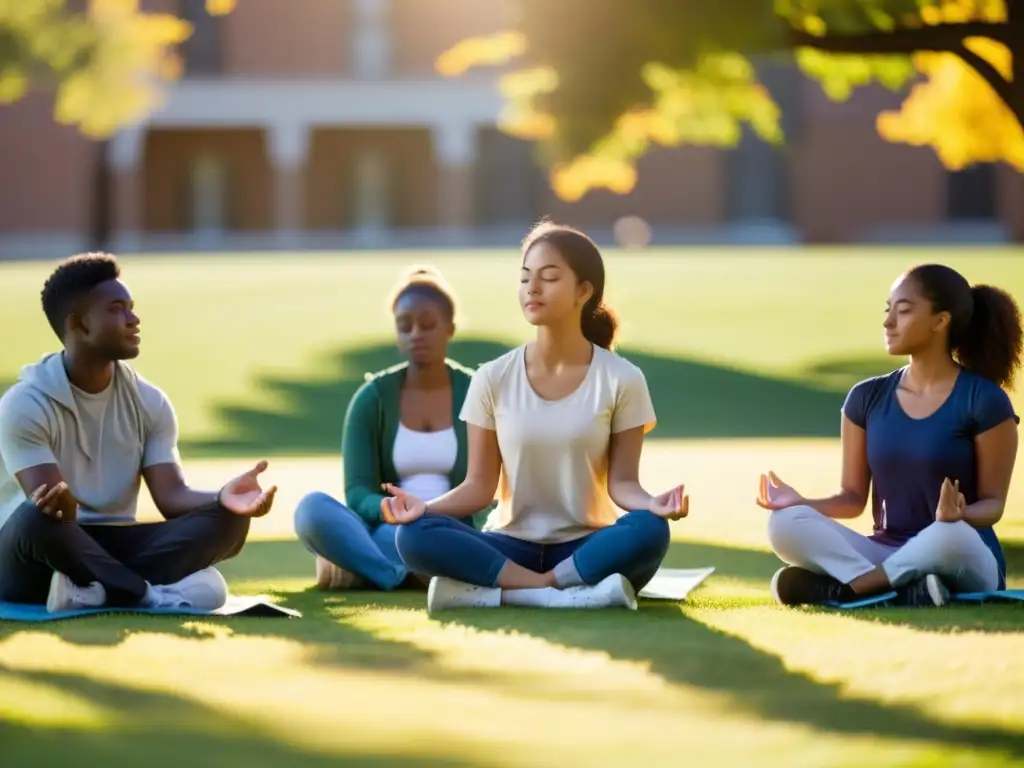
(78, 433)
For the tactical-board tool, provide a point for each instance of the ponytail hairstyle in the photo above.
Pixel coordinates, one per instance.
(598, 322)
(426, 283)
(985, 325)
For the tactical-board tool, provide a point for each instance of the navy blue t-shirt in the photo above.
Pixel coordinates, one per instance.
(909, 458)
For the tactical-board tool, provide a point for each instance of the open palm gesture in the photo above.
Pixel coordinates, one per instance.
(672, 505)
(400, 508)
(245, 497)
(774, 494)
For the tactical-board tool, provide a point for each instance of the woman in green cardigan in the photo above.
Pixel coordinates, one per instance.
(400, 428)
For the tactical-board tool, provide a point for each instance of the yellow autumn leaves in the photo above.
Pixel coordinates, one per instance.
(707, 106)
(953, 110)
(703, 106)
(110, 65)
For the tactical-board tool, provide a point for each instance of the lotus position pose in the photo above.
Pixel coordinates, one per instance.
(935, 441)
(400, 428)
(79, 432)
(561, 422)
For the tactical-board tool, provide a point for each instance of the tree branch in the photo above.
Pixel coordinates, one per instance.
(942, 37)
(1010, 93)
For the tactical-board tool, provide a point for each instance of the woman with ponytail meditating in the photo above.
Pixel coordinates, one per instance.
(936, 439)
(561, 421)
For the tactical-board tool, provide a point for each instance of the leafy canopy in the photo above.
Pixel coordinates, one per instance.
(107, 64)
(599, 82)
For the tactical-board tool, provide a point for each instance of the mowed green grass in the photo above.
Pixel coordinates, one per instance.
(237, 339)
(725, 679)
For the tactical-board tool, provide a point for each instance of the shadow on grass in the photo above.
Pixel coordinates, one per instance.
(680, 649)
(693, 400)
(741, 563)
(269, 561)
(842, 373)
(150, 728)
(328, 640)
(686, 652)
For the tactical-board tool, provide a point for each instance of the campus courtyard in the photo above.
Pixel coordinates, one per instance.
(748, 354)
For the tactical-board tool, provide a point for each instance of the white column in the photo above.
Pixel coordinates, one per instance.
(372, 199)
(125, 158)
(371, 39)
(455, 150)
(289, 147)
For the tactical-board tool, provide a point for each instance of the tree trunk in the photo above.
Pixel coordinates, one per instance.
(1015, 21)
(101, 213)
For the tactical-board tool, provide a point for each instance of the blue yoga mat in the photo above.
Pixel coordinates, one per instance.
(235, 606)
(1001, 596)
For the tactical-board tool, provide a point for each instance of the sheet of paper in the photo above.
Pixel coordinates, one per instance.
(674, 583)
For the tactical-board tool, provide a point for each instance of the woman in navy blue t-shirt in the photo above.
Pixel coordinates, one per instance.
(935, 441)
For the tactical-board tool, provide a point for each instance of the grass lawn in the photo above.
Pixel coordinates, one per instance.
(260, 354)
(748, 354)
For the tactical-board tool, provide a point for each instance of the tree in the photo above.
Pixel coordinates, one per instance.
(599, 82)
(106, 60)
(107, 63)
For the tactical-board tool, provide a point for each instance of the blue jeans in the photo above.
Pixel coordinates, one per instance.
(436, 545)
(328, 528)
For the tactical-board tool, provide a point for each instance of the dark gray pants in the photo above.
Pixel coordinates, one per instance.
(120, 557)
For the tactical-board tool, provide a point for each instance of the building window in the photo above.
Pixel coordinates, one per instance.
(510, 187)
(202, 52)
(207, 207)
(757, 181)
(372, 209)
(758, 173)
(971, 193)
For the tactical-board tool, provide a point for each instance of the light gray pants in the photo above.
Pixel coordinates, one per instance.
(804, 537)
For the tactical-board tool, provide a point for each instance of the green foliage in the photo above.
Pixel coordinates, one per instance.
(604, 80)
(105, 61)
(40, 41)
(839, 74)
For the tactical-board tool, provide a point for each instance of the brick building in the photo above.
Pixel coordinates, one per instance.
(321, 123)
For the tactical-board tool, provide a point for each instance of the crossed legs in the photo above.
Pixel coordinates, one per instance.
(954, 552)
(123, 559)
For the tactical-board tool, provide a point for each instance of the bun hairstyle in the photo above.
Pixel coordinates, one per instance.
(598, 322)
(985, 325)
(425, 282)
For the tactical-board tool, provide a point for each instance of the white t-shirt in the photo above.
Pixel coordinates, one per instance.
(554, 478)
(424, 460)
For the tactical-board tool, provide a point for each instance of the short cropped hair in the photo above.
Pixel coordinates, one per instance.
(71, 282)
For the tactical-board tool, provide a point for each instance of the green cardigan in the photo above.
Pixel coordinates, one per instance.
(368, 439)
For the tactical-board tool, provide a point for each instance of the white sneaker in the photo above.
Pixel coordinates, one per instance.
(615, 591)
(331, 577)
(203, 590)
(65, 595)
(445, 594)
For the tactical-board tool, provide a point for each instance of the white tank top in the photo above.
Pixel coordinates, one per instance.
(424, 460)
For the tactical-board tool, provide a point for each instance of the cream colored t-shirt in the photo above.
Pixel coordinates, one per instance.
(554, 478)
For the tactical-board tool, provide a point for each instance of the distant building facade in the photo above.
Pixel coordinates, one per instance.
(323, 124)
